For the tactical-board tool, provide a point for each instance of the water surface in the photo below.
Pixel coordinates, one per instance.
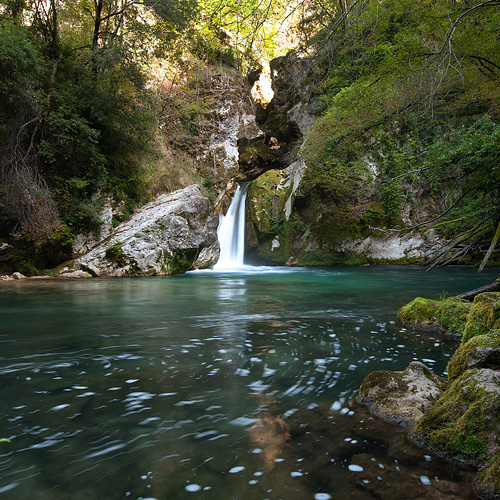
(209, 385)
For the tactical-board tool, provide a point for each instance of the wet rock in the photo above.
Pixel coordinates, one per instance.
(166, 236)
(18, 276)
(401, 397)
(75, 274)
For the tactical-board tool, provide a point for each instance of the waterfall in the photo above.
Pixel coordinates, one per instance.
(231, 232)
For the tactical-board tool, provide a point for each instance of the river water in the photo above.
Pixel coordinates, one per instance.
(214, 385)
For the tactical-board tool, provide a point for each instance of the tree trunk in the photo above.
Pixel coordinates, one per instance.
(494, 242)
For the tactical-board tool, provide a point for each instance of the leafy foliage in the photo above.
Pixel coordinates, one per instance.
(414, 88)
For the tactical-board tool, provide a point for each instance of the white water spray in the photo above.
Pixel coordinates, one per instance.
(231, 232)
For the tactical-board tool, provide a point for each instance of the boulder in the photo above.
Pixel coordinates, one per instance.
(483, 316)
(481, 351)
(452, 315)
(420, 312)
(401, 397)
(166, 236)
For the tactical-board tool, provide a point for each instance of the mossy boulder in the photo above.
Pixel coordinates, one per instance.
(401, 397)
(452, 314)
(483, 316)
(463, 425)
(482, 351)
(420, 312)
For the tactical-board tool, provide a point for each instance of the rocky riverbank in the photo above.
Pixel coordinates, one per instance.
(457, 418)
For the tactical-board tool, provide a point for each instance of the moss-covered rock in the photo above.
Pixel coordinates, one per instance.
(452, 314)
(463, 424)
(401, 397)
(482, 351)
(420, 312)
(483, 316)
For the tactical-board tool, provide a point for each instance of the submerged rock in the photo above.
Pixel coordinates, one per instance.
(401, 397)
(166, 236)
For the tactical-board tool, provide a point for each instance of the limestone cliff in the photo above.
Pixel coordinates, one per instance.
(291, 217)
(166, 236)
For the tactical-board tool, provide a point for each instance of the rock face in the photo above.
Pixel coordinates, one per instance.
(166, 236)
(401, 397)
(291, 215)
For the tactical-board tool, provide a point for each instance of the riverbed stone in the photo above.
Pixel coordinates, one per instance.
(401, 397)
(166, 236)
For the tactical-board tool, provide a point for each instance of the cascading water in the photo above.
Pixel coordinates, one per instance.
(231, 232)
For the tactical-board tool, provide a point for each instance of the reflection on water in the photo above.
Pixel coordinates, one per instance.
(213, 385)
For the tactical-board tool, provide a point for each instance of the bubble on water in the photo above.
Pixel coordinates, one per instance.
(59, 407)
(258, 473)
(256, 450)
(336, 406)
(425, 480)
(193, 487)
(322, 496)
(355, 468)
(296, 474)
(8, 487)
(236, 469)
(243, 421)
(253, 481)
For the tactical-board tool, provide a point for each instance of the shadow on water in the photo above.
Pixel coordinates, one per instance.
(215, 386)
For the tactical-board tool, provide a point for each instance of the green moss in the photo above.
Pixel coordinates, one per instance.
(258, 154)
(265, 203)
(488, 480)
(419, 311)
(452, 314)
(458, 363)
(483, 315)
(462, 422)
(115, 254)
(181, 262)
